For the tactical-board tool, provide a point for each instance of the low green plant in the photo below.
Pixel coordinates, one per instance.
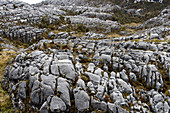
(101, 60)
(150, 10)
(1, 48)
(81, 28)
(62, 18)
(45, 22)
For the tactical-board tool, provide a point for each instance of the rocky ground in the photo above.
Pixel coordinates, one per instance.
(69, 56)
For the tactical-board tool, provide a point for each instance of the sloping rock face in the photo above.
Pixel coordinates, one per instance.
(56, 80)
(60, 72)
(20, 21)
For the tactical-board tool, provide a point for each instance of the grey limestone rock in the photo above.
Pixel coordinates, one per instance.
(115, 66)
(49, 80)
(113, 108)
(117, 97)
(81, 83)
(100, 92)
(102, 16)
(142, 45)
(106, 58)
(50, 34)
(43, 108)
(81, 99)
(132, 77)
(33, 70)
(22, 90)
(36, 85)
(124, 76)
(64, 90)
(67, 69)
(57, 105)
(46, 91)
(124, 86)
(99, 105)
(93, 77)
(54, 69)
(162, 107)
(36, 97)
(91, 67)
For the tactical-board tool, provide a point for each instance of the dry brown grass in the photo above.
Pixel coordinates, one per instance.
(154, 40)
(132, 24)
(132, 31)
(113, 35)
(56, 31)
(79, 34)
(168, 40)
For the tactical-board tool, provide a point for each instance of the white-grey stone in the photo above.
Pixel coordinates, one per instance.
(57, 105)
(124, 86)
(93, 77)
(63, 89)
(81, 100)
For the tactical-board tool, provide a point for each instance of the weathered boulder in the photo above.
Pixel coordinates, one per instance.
(117, 97)
(142, 45)
(36, 97)
(162, 107)
(63, 89)
(46, 91)
(67, 69)
(81, 99)
(54, 69)
(91, 67)
(106, 58)
(124, 76)
(93, 77)
(57, 105)
(44, 108)
(99, 105)
(22, 90)
(49, 80)
(33, 70)
(124, 86)
(50, 34)
(113, 108)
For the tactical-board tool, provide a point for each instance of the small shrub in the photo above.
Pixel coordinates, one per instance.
(52, 46)
(85, 78)
(68, 21)
(108, 98)
(82, 28)
(70, 12)
(169, 42)
(44, 22)
(15, 6)
(101, 60)
(45, 45)
(62, 18)
(1, 48)
(114, 18)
